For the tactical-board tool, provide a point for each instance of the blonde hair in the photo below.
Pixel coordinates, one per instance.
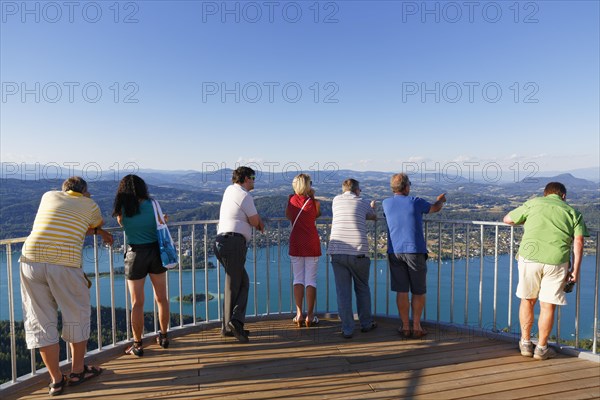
(301, 184)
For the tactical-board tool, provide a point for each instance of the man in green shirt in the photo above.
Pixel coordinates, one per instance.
(551, 226)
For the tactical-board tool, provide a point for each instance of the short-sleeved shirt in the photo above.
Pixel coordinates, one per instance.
(349, 225)
(404, 216)
(304, 238)
(141, 228)
(236, 207)
(59, 229)
(550, 225)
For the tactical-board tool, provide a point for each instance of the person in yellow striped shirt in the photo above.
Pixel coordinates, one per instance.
(52, 277)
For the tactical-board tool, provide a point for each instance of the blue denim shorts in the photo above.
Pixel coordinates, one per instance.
(408, 272)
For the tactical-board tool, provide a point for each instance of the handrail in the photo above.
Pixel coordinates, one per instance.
(453, 235)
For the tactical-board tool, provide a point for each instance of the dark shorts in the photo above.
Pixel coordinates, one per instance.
(408, 272)
(142, 259)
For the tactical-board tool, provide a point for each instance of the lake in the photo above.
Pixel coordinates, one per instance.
(265, 282)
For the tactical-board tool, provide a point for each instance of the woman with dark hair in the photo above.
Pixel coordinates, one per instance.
(135, 213)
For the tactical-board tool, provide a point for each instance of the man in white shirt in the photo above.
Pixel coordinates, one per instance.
(236, 218)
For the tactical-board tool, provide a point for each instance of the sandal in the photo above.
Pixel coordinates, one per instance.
(136, 349)
(314, 321)
(55, 389)
(405, 333)
(297, 321)
(87, 373)
(162, 340)
(418, 334)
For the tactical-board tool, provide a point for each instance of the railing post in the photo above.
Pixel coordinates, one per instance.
(510, 276)
(327, 262)
(427, 248)
(375, 256)
(467, 254)
(220, 307)
(439, 272)
(113, 316)
(254, 268)
(268, 266)
(452, 275)
(496, 276)
(179, 254)
(98, 304)
(11, 305)
(577, 311)
(387, 285)
(154, 309)
(127, 308)
(279, 264)
(193, 240)
(595, 333)
(206, 310)
(481, 255)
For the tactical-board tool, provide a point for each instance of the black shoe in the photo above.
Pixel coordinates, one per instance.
(230, 334)
(369, 327)
(238, 331)
(162, 340)
(136, 349)
(347, 335)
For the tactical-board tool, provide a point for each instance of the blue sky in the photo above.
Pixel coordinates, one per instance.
(383, 84)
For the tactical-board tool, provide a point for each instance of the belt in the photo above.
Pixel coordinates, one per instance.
(361, 256)
(226, 234)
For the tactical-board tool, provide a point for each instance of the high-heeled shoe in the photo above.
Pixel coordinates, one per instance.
(297, 321)
(162, 340)
(311, 322)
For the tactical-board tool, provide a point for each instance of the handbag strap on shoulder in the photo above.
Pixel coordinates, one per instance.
(157, 213)
(300, 212)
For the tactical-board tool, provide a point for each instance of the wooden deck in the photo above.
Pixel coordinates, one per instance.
(283, 361)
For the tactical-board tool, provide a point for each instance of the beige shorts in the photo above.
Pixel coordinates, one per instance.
(46, 288)
(543, 281)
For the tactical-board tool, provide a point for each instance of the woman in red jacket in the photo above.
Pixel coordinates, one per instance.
(305, 247)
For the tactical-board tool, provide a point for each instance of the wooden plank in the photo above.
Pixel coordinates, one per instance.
(545, 386)
(284, 361)
(592, 392)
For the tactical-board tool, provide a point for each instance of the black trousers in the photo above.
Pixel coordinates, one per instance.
(231, 253)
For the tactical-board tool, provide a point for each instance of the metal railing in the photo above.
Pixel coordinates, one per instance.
(459, 243)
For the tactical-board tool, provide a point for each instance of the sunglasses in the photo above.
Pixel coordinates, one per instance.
(252, 177)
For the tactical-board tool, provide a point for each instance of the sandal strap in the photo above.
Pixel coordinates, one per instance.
(58, 385)
(80, 376)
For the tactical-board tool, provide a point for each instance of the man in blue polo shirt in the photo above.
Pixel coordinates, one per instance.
(407, 251)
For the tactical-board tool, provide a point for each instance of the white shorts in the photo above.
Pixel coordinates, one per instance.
(44, 289)
(543, 281)
(305, 270)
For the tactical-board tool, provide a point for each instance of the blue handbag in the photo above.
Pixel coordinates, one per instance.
(168, 253)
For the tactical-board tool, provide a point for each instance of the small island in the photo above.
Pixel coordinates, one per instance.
(188, 298)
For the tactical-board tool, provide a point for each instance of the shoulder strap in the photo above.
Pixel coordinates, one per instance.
(300, 212)
(157, 213)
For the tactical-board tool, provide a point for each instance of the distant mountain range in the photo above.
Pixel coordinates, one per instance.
(212, 177)
(191, 195)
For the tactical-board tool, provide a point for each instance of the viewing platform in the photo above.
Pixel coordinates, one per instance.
(471, 315)
(282, 361)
